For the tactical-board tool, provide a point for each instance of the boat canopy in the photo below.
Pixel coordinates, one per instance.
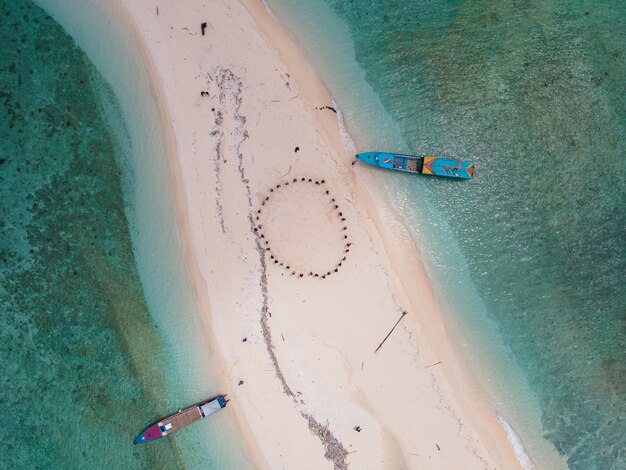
(211, 407)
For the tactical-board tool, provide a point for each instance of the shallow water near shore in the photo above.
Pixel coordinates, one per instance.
(99, 332)
(528, 257)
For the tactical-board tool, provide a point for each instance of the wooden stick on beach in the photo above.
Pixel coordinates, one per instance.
(390, 331)
(432, 365)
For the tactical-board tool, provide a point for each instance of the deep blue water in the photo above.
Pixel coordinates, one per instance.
(534, 93)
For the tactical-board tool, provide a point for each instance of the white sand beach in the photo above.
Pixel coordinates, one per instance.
(298, 281)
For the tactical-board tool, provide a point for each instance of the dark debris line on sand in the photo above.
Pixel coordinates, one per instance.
(335, 451)
(218, 134)
(230, 87)
(230, 84)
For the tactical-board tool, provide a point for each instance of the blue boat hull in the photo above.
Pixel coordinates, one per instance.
(421, 164)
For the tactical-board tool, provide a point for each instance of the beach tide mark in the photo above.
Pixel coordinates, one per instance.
(230, 88)
(229, 130)
(229, 94)
(334, 449)
(217, 134)
(217, 158)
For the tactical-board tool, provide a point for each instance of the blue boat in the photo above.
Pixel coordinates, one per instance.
(180, 419)
(422, 164)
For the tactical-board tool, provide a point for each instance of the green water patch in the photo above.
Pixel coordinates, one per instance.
(532, 92)
(81, 359)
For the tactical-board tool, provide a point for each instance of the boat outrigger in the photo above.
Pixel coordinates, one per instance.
(182, 418)
(423, 164)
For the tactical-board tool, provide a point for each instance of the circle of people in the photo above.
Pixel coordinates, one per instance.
(258, 229)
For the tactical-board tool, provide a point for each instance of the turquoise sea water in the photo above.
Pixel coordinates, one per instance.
(98, 336)
(530, 254)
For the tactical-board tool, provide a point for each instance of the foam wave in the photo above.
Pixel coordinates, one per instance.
(346, 138)
(269, 10)
(517, 444)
